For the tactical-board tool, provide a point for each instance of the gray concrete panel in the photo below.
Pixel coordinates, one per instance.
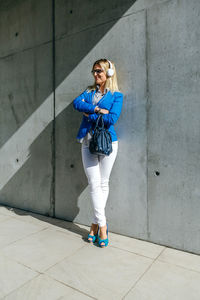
(26, 105)
(26, 131)
(75, 16)
(24, 24)
(26, 81)
(143, 5)
(30, 186)
(127, 206)
(173, 124)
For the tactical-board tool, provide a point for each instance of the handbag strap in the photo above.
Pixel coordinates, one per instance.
(99, 120)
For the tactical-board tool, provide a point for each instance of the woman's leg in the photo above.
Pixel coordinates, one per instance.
(106, 164)
(92, 171)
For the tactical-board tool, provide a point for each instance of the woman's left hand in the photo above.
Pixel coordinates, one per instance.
(87, 115)
(104, 111)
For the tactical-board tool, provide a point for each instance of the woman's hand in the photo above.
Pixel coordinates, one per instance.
(101, 110)
(104, 111)
(98, 110)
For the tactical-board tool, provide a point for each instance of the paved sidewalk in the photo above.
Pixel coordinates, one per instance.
(50, 259)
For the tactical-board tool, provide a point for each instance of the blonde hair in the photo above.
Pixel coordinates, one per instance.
(111, 82)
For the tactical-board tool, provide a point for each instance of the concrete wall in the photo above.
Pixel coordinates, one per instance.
(154, 186)
(26, 82)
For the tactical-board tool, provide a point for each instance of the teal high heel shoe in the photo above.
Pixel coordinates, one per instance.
(93, 237)
(103, 243)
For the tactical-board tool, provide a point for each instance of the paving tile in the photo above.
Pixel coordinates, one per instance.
(181, 258)
(13, 229)
(3, 218)
(43, 221)
(43, 249)
(44, 288)
(6, 210)
(74, 229)
(77, 296)
(165, 281)
(30, 217)
(136, 246)
(104, 273)
(13, 275)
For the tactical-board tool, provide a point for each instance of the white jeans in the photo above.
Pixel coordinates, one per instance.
(97, 169)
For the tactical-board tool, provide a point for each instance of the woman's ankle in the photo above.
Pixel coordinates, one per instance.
(94, 228)
(103, 234)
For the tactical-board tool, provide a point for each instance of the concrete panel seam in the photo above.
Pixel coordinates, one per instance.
(147, 114)
(26, 282)
(97, 25)
(71, 287)
(179, 266)
(53, 134)
(68, 255)
(160, 3)
(31, 234)
(25, 49)
(62, 36)
(132, 252)
(147, 269)
(11, 98)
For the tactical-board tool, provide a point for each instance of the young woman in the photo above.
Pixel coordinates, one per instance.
(103, 97)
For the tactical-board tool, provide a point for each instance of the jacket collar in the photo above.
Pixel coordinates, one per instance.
(98, 89)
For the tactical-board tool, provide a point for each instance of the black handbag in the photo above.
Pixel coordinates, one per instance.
(101, 141)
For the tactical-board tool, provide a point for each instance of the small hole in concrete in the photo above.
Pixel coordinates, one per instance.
(157, 173)
(71, 166)
(17, 159)
(70, 11)
(16, 34)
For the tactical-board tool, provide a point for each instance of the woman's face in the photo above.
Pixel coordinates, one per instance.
(100, 78)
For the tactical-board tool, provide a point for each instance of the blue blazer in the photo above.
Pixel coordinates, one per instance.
(112, 102)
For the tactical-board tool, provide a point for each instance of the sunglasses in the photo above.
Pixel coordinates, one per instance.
(98, 71)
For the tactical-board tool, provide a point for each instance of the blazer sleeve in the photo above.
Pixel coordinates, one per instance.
(82, 106)
(114, 113)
